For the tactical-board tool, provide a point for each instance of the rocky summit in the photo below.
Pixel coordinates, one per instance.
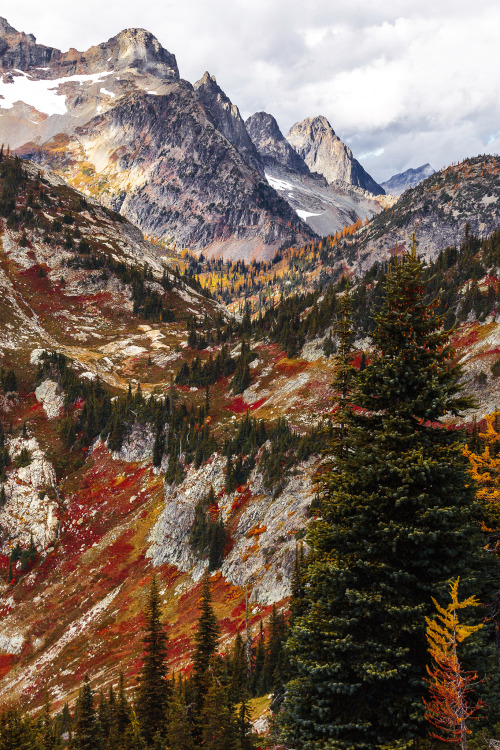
(315, 141)
(272, 145)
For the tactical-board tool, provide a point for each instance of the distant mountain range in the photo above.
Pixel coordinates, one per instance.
(118, 123)
(408, 179)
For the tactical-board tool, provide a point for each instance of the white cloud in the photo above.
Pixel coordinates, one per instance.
(403, 83)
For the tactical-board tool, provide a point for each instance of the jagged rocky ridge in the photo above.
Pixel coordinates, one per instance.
(119, 123)
(327, 207)
(315, 141)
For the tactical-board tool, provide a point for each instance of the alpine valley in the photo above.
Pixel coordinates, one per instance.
(172, 279)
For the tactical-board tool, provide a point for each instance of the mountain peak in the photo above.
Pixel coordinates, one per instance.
(6, 28)
(226, 117)
(20, 50)
(135, 48)
(130, 48)
(206, 80)
(272, 144)
(400, 182)
(315, 141)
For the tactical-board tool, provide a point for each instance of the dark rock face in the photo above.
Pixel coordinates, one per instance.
(407, 179)
(315, 141)
(272, 145)
(227, 119)
(19, 50)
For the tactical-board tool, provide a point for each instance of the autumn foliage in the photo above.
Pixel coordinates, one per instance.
(485, 470)
(448, 708)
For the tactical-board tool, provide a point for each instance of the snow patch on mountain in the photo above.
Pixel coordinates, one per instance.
(44, 95)
(305, 214)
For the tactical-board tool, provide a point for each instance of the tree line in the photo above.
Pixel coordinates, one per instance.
(206, 708)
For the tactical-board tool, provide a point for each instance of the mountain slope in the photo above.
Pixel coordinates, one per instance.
(82, 319)
(439, 208)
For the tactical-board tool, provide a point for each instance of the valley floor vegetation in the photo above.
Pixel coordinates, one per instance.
(405, 518)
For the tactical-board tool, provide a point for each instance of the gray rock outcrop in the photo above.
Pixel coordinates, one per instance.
(130, 49)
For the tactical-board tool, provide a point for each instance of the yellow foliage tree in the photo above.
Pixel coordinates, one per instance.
(485, 470)
(449, 686)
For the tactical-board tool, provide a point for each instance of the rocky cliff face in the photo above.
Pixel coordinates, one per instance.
(408, 179)
(272, 145)
(227, 119)
(19, 50)
(315, 141)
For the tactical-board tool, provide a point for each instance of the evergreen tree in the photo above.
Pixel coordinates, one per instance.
(238, 669)
(298, 583)
(123, 711)
(397, 521)
(180, 730)
(219, 722)
(245, 738)
(344, 370)
(260, 656)
(87, 735)
(206, 640)
(154, 690)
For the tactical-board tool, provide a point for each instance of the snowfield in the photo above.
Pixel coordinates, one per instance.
(43, 95)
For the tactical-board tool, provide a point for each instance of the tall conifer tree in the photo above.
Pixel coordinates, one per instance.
(206, 640)
(87, 731)
(397, 521)
(154, 691)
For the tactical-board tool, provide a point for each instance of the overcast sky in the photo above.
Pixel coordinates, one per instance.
(402, 82)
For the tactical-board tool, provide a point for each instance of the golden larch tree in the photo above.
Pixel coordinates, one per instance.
(448, 708)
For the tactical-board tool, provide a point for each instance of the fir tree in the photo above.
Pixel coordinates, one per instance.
(397, 522)
(87, 735)
(180, 730)
(206, 641)
(123, 711)
(260, 656)
(219, 722)
(298, 591)
(245, 738)
(154, 690)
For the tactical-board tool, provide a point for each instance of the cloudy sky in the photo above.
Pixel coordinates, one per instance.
(403, 83)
